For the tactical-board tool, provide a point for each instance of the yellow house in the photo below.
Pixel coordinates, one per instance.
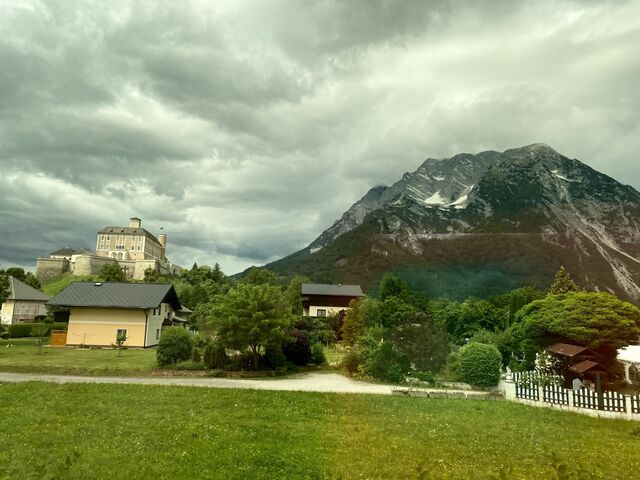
(99, 312)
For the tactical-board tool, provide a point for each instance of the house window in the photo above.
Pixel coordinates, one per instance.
(321, 313)
(121, 332)
(157, 333)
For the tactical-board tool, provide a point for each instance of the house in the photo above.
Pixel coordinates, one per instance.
(24, 303)
(578, 362)
(320, 300)
(98, 312)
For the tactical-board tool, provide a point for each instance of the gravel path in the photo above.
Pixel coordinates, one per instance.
(308, 382)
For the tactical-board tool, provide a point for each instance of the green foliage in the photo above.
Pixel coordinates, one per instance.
(112, 272)
(599, 321)
(20, 330)
(562, 283)
(381, 359)
(393, 286)
(318, 329)
(251, 316)
(317, 354)
(394, 311)
(353, 325)
(351, 363)
(480, 364)
(151, 275)
(175, 345)
(119, 345)
(191, 364)
(293, 293)
(215, 356)
(259, 276)
(297, 350)
(423, 342)
(56, 285)
(40, 331)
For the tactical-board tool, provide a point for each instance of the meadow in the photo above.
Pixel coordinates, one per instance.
(127, 431)
(20, 355)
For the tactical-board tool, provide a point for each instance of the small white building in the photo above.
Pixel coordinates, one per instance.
(24, 303)
(630, 358)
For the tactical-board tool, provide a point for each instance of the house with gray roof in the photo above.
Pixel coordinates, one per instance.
(23, 304)
(321, 300)
(101, 311)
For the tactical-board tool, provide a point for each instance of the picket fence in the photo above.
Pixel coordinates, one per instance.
(527, 387)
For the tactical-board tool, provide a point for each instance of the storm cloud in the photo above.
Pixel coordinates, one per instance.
(245, 128)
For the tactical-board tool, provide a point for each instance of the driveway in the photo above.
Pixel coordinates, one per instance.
(308, 382)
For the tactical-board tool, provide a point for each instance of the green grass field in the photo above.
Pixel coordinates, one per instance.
(22, 357)
(126, 431)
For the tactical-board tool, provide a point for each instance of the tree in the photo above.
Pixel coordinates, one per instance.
(151, 275)
(260, 276)
(41, 332)
(393, 286)
(423, 342)
(298, 349)
(294, 293)
(121, 338)
(111, 272)
(596, 320)
(353, 325)
(562, 283)
(252, 316)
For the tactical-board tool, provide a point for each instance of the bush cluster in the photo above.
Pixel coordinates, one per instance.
(20, 330)
(176, 345)
(480, 364)
(215, 356)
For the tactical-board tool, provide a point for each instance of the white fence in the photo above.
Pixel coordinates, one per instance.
(528, 387)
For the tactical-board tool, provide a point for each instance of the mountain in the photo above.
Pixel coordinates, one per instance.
(481, 224)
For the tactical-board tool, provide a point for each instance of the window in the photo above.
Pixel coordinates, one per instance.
(121, 332)
(321, 313)
(157, 333)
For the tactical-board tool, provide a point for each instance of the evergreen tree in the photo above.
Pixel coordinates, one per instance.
(562, 283)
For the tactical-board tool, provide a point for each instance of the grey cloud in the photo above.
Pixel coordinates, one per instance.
(246, 128)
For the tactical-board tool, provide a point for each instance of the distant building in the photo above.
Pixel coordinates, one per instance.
(24, 303)
(321, 300)
(134, 248)
(98, 312)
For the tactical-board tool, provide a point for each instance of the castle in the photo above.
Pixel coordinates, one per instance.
(133, 248)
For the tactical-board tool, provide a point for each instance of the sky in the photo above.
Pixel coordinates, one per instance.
(246, 128)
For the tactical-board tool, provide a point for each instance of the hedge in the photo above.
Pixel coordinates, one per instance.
(480, 364)
(20, 330)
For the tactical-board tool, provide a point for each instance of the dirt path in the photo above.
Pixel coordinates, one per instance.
(308, 382)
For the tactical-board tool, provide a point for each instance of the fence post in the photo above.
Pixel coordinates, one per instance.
(627, 404)
(599, 392)
(540, 392)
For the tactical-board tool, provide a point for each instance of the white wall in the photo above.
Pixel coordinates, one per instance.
(154, 323)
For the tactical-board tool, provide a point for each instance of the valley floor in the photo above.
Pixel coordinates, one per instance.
(143, 431)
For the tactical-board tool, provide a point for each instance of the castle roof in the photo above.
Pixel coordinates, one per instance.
(128, 231)
(63, 252)
(19, 290)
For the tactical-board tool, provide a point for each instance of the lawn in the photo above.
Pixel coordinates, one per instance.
(22, 357)
(127, 431)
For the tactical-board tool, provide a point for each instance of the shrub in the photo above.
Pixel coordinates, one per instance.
(273, 357)
(386, 363)
(196, 355)
(217, 372)
(480, 364)
(215, 356)
(20, 330)
(317, 354)
(4, 335)
(187, 365)
(298, 350)
(351, 362)
(175, 346)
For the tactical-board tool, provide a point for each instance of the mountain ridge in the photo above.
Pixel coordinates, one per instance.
(568, 212)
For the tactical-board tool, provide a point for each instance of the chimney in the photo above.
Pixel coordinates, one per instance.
(162, 238)
(135, 222)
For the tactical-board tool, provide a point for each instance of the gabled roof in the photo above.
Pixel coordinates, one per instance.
(568, 350)
(63, 252)
(585, 366)
(116, 295)
(129, 231)
(21, 291)
(338, 290)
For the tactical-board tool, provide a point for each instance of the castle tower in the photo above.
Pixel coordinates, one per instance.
(135, 222)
